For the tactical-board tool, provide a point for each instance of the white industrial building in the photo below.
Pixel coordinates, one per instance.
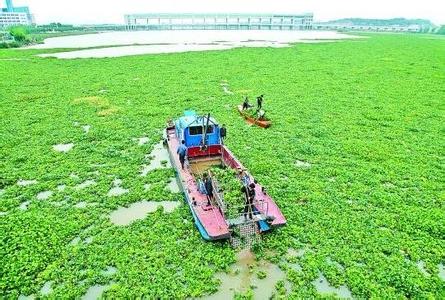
(14, 18)
(219, 21)
(384, 28)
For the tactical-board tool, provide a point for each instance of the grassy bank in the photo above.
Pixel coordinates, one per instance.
(366, 117)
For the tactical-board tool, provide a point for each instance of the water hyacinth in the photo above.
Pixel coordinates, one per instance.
(354, 159)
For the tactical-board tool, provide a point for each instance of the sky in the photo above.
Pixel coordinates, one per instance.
(113, 11)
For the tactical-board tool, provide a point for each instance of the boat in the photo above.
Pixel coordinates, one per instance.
(204, 151)
(249, 119)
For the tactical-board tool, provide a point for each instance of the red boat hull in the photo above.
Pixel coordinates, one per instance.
(209, 219)
(264, 124)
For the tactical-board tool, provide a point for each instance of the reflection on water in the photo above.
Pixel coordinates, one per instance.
(124, 216)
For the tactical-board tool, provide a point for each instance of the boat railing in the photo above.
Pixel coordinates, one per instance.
(219, 197)
(258, 210)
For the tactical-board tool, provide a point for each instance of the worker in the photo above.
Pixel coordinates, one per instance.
(249, 192)
(244, 177)
(222, 133)
(209, 187)
(201, 186)
(261, 114)
(259, 101)
(182, 151)
(246, 104)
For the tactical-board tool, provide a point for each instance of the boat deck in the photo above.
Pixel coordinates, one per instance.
(209, 216)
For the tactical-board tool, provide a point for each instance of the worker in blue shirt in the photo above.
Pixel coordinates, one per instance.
(245, 178)
(182, 151)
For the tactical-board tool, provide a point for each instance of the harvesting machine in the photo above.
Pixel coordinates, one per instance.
(201, 135)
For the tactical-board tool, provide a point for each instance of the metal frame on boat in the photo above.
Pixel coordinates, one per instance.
(204, 149)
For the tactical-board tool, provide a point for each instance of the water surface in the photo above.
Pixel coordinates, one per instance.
(151, 42)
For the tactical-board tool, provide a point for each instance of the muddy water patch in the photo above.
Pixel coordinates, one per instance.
(23, 297)
(85, 184)
(124, 216)
(86, 128)
(245, 274)
(323, 286)
(63, 147)
(75, 241)
(22, 182)
(159, 159)
(61, 187)
(226, 88)
(441, 271)
(24, 205)
(142, 140)
(109, 271)
(44, 195)
(421, 266)
(336, 264)
(302, 164)
(295, 266)
(296, 252)
(46, 288)
(173, 186)
(96, 291)
(82, 204)
(117, 190)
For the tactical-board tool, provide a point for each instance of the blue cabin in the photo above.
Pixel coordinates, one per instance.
(191, 127)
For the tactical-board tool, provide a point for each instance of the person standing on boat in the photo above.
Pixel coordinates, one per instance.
(201, 186)
(259, 101)
(261, 114)
(249, 192)
(246, 104)
(209, 187)
(222, 133)
(182, 151)
(244, 177)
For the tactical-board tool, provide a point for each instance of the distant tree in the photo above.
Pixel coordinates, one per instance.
(441, 30)
(19, 33)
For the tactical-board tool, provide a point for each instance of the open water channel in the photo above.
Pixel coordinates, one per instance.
(123, 43)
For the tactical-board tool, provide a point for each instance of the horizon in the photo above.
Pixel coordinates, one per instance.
(103, 12)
